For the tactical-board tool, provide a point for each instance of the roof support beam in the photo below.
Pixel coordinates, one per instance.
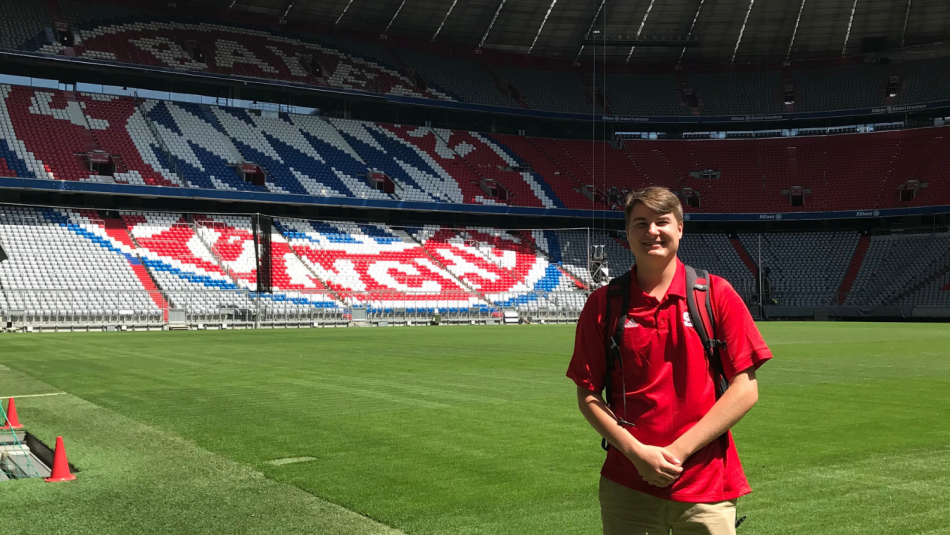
(394, 16)
(493, 19)
(691, 26)
(445, 18)
(543, 22)
(795, 31)
(847, 34)
(906, 16)
(290, 5)
(742, 30)
(640, 29)
(348, 4)
(591, 28)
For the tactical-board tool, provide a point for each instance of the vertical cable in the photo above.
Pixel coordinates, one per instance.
(593, 134)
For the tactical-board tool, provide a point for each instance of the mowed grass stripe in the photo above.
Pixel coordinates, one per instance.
(476, 430)
(137, 479)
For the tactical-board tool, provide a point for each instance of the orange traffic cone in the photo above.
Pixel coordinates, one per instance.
(60, 464)
(12, 421)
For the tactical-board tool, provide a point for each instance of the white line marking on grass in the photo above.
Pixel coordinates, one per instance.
(290, 460)
(36, 395)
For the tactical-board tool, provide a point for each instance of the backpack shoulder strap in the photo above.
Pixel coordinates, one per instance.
(699, 301)
(618, 291)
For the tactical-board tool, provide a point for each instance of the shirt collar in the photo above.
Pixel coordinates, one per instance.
(677, 287)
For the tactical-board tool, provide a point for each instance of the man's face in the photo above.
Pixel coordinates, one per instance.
(653, 236)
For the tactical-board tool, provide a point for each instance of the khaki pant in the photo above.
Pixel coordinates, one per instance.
(625, 511)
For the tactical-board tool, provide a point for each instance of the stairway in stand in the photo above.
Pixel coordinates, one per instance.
(856, 260)
(116, 229)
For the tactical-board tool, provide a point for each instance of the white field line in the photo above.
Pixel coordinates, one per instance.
(36, 395)
(290, 460)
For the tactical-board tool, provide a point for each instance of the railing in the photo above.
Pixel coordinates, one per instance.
(172, 161)
(70, 309)
(200, 228)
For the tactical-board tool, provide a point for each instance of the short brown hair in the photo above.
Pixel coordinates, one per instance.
(656, 198)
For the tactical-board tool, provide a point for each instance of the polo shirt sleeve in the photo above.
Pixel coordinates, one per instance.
(734, 325)
(588, 365)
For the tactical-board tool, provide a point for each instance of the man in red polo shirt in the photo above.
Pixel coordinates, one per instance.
(676, 468)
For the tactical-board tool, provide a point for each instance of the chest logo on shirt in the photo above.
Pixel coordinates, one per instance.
(630, 324)
(687, 320)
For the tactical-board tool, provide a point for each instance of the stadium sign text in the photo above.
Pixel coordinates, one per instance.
(625, 119)
(893, 109)
(757, 117)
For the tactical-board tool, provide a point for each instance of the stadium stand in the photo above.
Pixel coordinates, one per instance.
(63, 262)
(120, 129)
(804, 268)
(231, 241)
(23, 24)
(642, 94)
(434, 152)
(715, 254)
(923, 80)
(30, 116)
(372, 266)
(496, 161)
(548, 90)
(731, 93)
(463, 79)
(132, 36)
(128, 265)
(288, 156)
(182, 265)
(564, 185)
(507, 270)
(711, 252)
(906, 270)
(551, 150)
(384, 151)
(373, 52)
(203, 155)
(843, 87)
(178, 144)
(604, 165)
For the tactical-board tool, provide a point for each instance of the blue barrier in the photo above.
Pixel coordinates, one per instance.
(65, 186)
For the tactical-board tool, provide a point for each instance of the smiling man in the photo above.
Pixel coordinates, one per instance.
(672, 464)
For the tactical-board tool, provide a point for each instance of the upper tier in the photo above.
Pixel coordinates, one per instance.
(130, 36)
(52, 134)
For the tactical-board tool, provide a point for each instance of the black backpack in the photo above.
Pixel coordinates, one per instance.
(698, 290)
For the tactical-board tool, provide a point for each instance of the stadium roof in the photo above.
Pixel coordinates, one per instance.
(736, 31)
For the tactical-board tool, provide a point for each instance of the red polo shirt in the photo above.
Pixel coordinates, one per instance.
(668, 384)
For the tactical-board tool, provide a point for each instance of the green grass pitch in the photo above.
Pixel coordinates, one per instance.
(451, 430)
